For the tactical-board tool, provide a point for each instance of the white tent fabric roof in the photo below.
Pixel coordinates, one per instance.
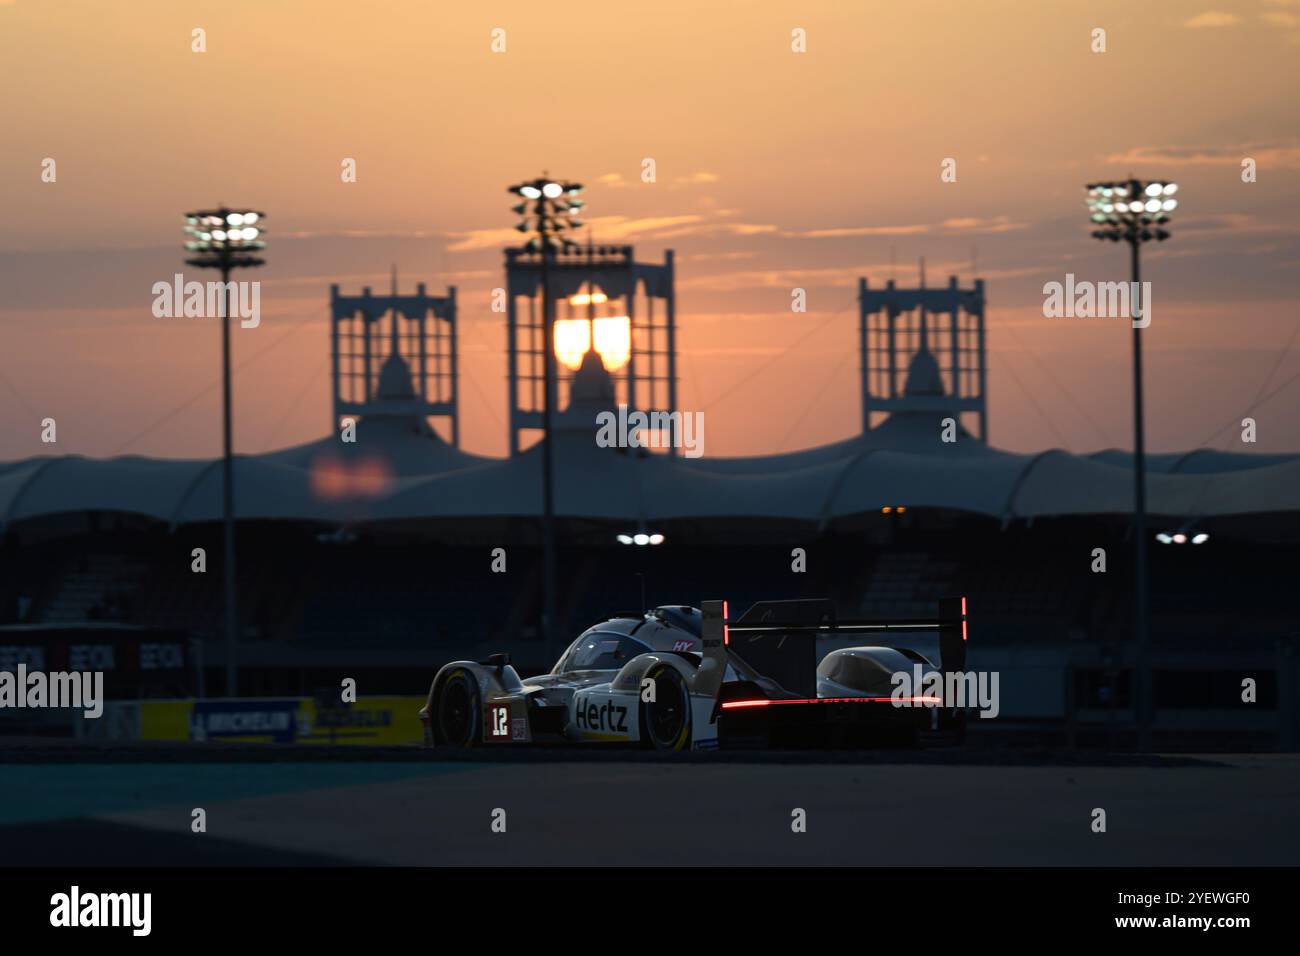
(393, 474)
(1197, 461)
(397, 469)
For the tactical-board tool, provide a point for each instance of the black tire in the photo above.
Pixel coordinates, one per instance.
(666, 722)
(456, 711)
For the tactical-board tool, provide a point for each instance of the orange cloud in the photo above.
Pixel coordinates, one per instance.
(961, 225)
(842, 232)
(1277, 154)
(696, 179)
(1212, 18)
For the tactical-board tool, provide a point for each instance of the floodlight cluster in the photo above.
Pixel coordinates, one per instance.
(1131, 210)
(228, 236)
(549, 207)
(640, 538)
(1182, 537)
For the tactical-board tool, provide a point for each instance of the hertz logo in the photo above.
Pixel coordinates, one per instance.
(607, 717)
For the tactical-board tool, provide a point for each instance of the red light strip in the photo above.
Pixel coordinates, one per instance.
(963, 617)
(737, 704)
(726, 631)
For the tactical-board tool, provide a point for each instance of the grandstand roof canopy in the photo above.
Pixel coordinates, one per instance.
(398, 469)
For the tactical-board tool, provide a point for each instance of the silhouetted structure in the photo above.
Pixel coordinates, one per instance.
(648, 380)
(409, 369)
(944, 325)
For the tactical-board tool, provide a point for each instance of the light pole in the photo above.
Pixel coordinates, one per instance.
(226, 239)
(1136, 212)
(554, 204)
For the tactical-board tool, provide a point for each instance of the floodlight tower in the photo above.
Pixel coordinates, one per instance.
(1137, 212)
(226, 239)
(554, 208)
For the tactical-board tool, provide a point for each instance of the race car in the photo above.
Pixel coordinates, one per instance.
(681, 678)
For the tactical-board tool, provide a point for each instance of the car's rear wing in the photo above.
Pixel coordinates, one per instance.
(818, 615)
(767, 635)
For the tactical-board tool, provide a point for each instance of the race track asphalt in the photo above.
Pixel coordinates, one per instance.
(88, 806)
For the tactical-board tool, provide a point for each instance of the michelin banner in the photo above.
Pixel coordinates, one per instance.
(384, 721)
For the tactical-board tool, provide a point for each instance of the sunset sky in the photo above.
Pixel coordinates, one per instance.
(775, 170)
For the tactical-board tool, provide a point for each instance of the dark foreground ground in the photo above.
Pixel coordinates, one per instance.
(67, 804)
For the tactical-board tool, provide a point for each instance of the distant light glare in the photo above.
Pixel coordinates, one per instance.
(572, 341)
(613, 340)
(640, 538)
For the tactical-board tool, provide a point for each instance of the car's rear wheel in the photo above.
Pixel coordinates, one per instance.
(666, 720)
(457, 710)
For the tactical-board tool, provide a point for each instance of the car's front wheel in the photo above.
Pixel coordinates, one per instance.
(666, 720)
(456, 712)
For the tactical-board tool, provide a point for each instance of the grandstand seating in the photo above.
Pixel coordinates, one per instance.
(374, 597)
(93, 587)
(1025, 585)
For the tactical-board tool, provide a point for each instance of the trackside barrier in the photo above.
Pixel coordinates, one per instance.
(376, 721)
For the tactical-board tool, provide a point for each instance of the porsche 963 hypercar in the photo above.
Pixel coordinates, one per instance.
(785, 673)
